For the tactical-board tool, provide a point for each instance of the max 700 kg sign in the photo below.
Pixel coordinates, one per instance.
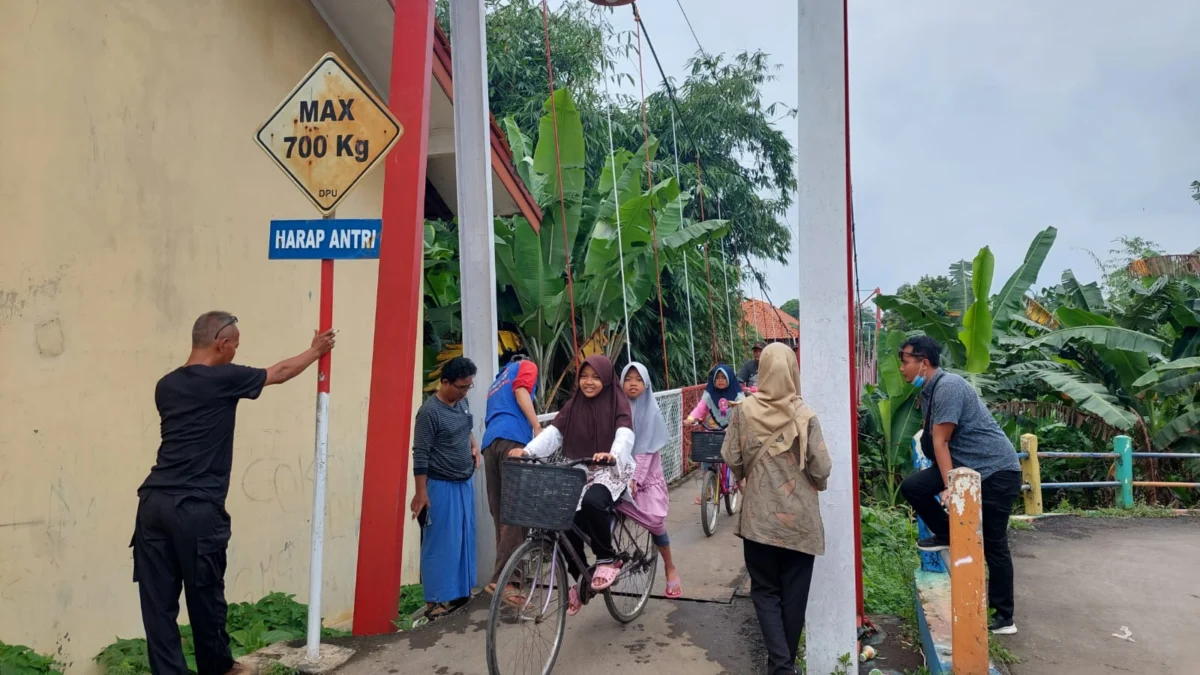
(328, 133)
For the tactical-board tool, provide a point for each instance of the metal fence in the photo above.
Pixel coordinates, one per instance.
(1122, 454)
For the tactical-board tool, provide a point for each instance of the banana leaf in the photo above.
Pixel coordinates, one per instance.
(1009, 301)
(1185, 425)
(976, 335)
(962, 294)
(1110, 337)
(1092, 397)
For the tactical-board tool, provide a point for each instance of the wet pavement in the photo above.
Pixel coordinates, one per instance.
(708, 632)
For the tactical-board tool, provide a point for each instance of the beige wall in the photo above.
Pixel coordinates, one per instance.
(133, 200)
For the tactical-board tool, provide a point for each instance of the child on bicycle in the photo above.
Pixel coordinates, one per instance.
(595, 423)
(722, 392)
(716, 403)
(648, 488)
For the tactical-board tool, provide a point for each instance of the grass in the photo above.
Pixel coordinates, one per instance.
(889, 558)
(412, 598)
(1021, 525)
(1139, 510)
(21, 660)
(251, 626)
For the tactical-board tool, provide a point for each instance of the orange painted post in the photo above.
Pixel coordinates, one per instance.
(968, 592)
(1031, 471)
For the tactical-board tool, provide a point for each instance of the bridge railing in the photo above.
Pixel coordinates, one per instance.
(1122, 454)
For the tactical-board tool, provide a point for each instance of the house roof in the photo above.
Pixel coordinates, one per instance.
(771, 322)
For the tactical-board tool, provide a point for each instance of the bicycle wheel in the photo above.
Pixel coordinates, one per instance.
(524, 634)
(626, 598)
(710, 496)
(733, 496)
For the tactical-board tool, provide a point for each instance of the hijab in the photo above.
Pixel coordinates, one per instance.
(589, 425)
(649, 428)
(775, 413)
(713, 396)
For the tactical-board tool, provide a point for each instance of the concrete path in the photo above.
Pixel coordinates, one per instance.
(706, 633)
(1079, 580)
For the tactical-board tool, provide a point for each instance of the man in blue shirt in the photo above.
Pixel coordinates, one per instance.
(510, 423)
(960, 432)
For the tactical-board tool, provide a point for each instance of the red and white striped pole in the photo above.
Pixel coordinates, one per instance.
(320, 465)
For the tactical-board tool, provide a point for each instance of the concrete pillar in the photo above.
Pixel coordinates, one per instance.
(476, 238)
(826, 297)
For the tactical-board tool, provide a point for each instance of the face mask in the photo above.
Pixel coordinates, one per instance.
(919, 380)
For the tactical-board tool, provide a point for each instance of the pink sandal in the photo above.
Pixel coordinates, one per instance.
(573, 603)
(674, 589)
(604, 576)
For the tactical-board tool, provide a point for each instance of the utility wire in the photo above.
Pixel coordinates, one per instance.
(689, 25)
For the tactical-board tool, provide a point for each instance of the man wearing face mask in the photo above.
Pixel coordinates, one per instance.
(960, 432)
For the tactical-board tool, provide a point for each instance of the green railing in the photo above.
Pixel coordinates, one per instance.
(1122, 454)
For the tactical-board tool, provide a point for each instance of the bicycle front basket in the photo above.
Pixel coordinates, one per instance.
(540, 496)
(706, 446)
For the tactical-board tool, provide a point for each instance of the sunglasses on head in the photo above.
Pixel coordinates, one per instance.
(915, 355)
(232, 320)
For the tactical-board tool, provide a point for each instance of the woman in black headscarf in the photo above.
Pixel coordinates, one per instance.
(595, 423)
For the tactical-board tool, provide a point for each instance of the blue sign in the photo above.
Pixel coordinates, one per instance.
(350, 239)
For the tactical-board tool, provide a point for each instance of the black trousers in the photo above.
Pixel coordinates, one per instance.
(779, 581)
(594, 518)
(180, 543)
(999, 491)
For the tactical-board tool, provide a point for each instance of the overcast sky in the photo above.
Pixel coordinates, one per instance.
(980, 123)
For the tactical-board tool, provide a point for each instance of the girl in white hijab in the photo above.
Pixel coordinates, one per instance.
(649, 486)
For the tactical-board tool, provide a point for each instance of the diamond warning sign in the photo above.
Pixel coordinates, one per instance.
(328, 133)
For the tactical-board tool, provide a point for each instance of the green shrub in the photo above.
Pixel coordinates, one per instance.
(889, 558)
(412, 598)
(251, 626)
(21, 660)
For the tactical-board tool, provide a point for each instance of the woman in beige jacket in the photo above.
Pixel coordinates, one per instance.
(775, 447)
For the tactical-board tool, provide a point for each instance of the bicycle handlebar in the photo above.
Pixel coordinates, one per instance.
(577, 462)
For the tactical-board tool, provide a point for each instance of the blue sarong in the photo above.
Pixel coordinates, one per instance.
(448, 541)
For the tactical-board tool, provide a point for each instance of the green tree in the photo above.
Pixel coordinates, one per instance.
(792, 307)
(930, 292)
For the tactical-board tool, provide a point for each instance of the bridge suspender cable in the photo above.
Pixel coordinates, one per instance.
(662, 322)
(612, 159)
(562, 202)
(712, 320)
(686, 281)
(725, 269)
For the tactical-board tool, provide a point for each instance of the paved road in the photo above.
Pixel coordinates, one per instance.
(1079, 580)
(709, 632)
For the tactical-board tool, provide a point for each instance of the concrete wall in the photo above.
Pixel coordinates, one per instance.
(133, 200)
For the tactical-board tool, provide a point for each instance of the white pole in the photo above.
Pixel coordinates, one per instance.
(320, 465)
(476, 238)
(826, 294)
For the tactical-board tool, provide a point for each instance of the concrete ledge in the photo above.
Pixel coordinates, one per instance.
(931, 593)
(332, 658)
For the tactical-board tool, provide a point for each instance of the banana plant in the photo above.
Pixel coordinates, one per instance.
(611, 270)
(891, 409)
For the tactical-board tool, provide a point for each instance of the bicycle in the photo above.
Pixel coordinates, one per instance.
(717, 484)
(542, 497)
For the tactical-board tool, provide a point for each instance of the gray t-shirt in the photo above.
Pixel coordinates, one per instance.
(977, 442)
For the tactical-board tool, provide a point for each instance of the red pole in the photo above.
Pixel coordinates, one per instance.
(853, 321)
(325, 322)
(397, 313)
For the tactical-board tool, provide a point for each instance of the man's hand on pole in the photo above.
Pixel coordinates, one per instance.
(322, 343)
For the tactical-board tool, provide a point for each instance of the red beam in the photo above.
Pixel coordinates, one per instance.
(397, 311)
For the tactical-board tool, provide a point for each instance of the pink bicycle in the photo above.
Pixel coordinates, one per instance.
(717, 483)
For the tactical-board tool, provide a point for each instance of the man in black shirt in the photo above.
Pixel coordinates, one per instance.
(748, 373)
(182, 528)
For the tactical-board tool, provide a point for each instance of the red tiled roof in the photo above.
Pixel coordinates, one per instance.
(771, 322)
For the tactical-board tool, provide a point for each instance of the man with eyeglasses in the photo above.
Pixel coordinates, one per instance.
(445, 456)
(960, 432)
(182, 529)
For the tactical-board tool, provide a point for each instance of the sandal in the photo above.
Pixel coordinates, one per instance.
(573, 602)
(605, 576)
(513, 597)
(674, 589)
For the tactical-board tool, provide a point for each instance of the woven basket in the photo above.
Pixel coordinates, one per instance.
(540, 496)
(706, 446)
